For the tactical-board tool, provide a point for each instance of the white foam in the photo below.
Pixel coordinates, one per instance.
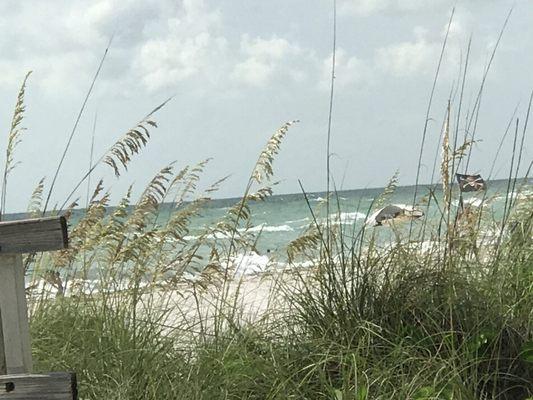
(278, 228)
(407, 207)
(258, 228)
(190, 277)
(219, 235)
(267, 228)
(297, 220)
(304, 264)
(250, 263)
(347, 218)
(524, 195)
(473, 201)
(216, 235)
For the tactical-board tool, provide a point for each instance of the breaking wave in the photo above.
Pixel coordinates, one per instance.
(268, 228)
(347, 218)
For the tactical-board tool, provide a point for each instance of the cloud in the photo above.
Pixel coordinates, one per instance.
(265, 59)
(410, 57)
(189, 45)
(362, 7)
(176, 57)
(368, 7)
(349, 70)
(162, 45)
(156, 43)
(32, 37)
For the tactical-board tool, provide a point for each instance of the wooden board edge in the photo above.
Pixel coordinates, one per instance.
(68, 381)
(64, 230)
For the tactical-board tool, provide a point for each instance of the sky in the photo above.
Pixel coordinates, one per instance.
(239, 69)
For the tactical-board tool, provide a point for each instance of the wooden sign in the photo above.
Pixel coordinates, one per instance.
(16, 382)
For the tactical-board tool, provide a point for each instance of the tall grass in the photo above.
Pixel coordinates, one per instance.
(140, 310)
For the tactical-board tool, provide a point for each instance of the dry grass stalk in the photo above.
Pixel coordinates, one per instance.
(13, 140)
(445, 163)
(36, 199)
(263, 168)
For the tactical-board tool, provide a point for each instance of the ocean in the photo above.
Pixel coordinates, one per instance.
(282, 218)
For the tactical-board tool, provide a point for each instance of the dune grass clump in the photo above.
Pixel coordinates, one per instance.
(448, 321)
(115, 355)
(425, 324)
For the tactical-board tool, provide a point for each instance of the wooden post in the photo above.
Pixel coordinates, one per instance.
(15, 327)
(16, 382)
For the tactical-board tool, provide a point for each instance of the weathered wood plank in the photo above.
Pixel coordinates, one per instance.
(31, 235)
(15, 327)
(51, 386)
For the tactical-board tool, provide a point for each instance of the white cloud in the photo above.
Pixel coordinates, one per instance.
(156, 43)
(267, 58)
(408, 58)
(31, 37)
(362, 7)
(266, 49)
(190, 45)
(162, 44)
(177, 56)
(420, 55)
(349, 70)
(253, 72)
(63, 44)
(368, 7)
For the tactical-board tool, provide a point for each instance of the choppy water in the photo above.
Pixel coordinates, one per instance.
(282, 218)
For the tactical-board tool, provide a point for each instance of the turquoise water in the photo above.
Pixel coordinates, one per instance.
(282, 218)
